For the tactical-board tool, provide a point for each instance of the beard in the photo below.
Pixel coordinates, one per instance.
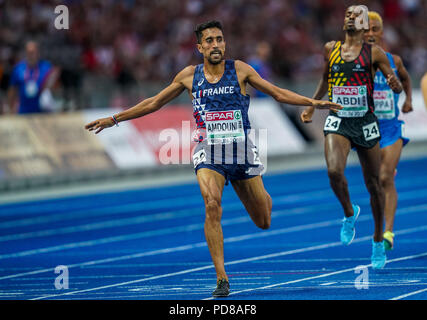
(215, 61)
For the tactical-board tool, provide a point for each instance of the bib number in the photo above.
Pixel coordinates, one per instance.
(371, 131)
(224, 127)
(384, 104)
(199, 157)
(332, 123)
(354, 99)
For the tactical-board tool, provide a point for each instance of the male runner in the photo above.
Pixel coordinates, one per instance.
(391, 129)
(218, 92)
(348, 79)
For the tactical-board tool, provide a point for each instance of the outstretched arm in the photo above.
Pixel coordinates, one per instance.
(280, 94)
(405, 79)
(146, 106)
(380, 61)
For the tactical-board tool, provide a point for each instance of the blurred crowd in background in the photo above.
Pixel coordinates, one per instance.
(118, 52)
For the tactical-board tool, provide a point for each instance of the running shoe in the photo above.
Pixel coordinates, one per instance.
(222, 289)
(347, 230)
(388, 240)
(378, 257)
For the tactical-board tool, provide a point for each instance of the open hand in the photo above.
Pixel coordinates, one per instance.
(100, 124)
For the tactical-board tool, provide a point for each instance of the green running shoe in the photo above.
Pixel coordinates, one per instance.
(388, 240)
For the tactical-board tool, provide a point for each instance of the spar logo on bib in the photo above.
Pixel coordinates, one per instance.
(223, 115)
(349, 91)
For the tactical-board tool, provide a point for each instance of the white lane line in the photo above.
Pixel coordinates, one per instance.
(328, 283)
(327, 274)
(403, 296)
(256, 258)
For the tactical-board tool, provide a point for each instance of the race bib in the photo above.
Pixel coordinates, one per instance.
(371, 131)
(332, 123)
(224, 127)
(354, 99)
(384, 104)
(199, 157)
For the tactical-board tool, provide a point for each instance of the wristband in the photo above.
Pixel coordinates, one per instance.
(115, 120)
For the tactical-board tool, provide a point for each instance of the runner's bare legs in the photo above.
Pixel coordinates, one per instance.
(211, 186)
(254, 197)
(256, 200)
(337, 148)
(390, 156)
(370, 160)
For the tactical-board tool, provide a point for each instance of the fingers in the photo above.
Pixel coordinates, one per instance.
(305, 118)
(94, 125)
(392, 81)
(329, 105)
(90, 125)
(407, 108)
(336, 106)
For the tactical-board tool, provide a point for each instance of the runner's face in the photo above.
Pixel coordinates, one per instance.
(350, 19)
(375, 32)
(212, 45)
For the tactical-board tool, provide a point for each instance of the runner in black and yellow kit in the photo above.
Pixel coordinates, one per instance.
(348, 78)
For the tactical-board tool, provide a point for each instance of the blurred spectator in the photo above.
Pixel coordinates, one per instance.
(116, 44)
(30, 83)
(260, 62)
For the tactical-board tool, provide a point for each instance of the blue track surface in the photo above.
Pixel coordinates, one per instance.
(149, 244)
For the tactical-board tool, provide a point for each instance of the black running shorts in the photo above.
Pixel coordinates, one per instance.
(361, 131)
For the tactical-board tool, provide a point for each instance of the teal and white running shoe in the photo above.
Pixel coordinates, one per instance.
(347, 230)
(378, 257)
